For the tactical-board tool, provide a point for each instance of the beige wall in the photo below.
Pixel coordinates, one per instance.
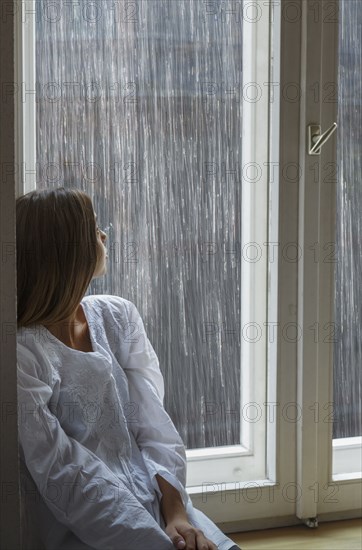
(10, 516)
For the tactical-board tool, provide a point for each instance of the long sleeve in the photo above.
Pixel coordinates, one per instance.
(79, 488)
(161, 446)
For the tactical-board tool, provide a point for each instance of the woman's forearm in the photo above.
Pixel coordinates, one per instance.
(171, 502)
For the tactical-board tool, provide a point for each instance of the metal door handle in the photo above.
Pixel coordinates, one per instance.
(316, 140)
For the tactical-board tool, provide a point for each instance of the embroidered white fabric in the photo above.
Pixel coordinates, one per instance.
(93, 434)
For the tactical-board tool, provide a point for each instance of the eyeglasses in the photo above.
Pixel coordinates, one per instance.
(105, 230)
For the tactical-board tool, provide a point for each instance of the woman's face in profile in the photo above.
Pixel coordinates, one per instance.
(102, 255)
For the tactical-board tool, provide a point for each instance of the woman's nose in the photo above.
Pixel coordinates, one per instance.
(103, 235)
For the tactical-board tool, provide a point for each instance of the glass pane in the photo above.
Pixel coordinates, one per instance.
(139, 105)
(348, 288)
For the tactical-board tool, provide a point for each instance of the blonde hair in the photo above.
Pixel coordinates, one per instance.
(56, 253)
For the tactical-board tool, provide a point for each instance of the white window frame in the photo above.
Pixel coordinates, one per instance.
(325, 490)
(221, 468)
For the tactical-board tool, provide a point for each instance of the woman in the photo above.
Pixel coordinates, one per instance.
(106, 459)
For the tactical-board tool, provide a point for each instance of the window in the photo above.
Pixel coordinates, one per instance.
(168, 115)
(347, 427)
(163, 136)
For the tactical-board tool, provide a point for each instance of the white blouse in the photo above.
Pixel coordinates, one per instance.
(94, 432)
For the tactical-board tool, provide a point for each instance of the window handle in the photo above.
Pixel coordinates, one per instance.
(316, 140)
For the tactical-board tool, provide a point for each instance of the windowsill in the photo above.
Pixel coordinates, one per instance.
(199, 490)
(217, 452)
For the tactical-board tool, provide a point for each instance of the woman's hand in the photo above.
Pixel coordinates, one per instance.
(183, 535)
(187, 537)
